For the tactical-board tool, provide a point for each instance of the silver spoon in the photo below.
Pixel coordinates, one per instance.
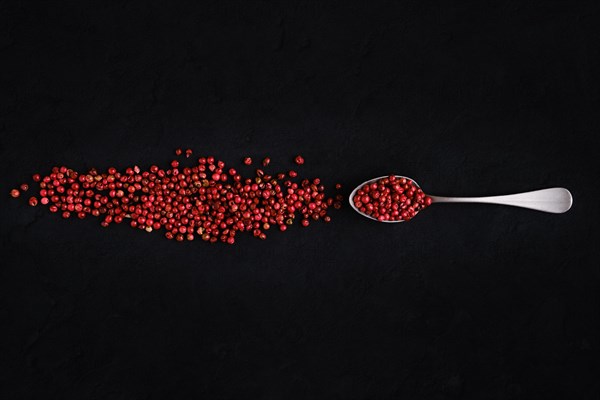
(554, 200)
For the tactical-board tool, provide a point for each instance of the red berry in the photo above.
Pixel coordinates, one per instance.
(299, 160)
(33, 201)
(15, 193)
(247, 161)
(266, 161)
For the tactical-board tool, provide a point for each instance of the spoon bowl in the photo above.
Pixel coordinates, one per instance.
(356, 189)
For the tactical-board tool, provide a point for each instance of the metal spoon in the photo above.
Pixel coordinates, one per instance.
(554, 200)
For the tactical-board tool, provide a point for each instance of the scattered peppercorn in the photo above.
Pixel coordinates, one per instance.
(299, 160)
(204, 199)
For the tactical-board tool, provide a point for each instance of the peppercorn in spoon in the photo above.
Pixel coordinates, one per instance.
(397, 198)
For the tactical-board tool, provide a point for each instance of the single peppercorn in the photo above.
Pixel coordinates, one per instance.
(299, 160)
(15, 193)
(247, 160)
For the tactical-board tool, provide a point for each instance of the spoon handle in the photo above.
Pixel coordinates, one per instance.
(553, 200)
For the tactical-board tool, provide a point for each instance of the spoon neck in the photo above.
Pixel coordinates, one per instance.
(444, 199)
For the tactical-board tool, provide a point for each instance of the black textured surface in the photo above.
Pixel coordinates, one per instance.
(465, 302)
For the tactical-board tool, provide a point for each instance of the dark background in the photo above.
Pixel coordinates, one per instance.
(464, 302)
